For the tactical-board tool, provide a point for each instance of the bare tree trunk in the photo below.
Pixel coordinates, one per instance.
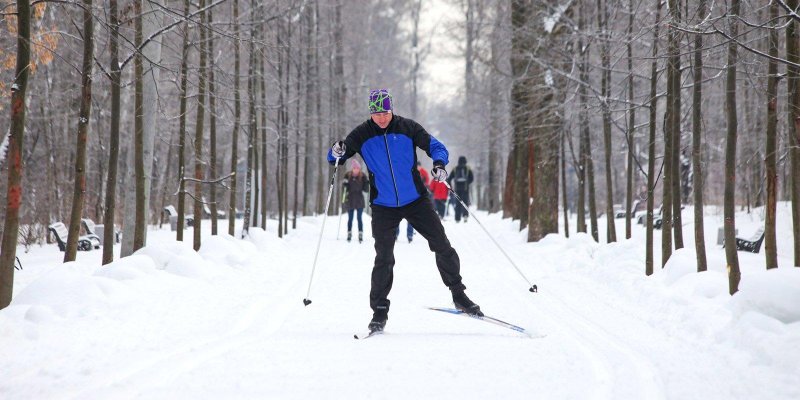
(732, 258)
(285, 144)
(279, 165)
(587, 163)
(340, 92)
(630, 134)
(416, 8)
(258, 137)
(605, 82)
(8, 251)
(793, 94)
(677, 224)
(581, 164)
(53, 195)
(113, 158)
(543, 142)
(79, 192)
(212, 124)
(308, 148)
(237, 113)
(495, 167)
(580, 202)
(264, 152)
(135, 224)
(182, 126)
(669, 136)
(565, 200)
(697, 149)
(164, 182)
(651, 152)
(770, 245)
(134, 231)
(252, 126)
(472, 23)
(198, 133)
(99, 195)
(321, 142)
(299, 78)
(509, 204)
(520, 104)
(593, 224)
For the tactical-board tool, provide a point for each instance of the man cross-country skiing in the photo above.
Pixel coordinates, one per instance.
(387, 143)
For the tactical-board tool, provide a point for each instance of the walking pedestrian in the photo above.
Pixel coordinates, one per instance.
(459, 179)
(355, 184)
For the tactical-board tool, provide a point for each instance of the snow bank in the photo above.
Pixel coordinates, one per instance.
(70, 291)
(682, 263)
(774, 293)
(766, 318)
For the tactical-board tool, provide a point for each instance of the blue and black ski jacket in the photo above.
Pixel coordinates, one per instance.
(391, 158)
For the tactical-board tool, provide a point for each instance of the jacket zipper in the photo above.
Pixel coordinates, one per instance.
(391, 169)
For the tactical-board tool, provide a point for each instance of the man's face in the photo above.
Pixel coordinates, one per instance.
(382, 119)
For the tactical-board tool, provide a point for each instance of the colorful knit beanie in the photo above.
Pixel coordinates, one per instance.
(380, 101)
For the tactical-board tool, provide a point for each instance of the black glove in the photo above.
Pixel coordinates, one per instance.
(438, 172)
(338, 149)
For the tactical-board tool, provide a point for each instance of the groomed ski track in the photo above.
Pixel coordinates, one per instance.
(599, 344)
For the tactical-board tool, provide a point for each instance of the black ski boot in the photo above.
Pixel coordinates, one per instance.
(378, 321)
(463, 303)
(349, 235)
(360, 236)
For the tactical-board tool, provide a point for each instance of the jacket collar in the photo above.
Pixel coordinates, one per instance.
(389, 127)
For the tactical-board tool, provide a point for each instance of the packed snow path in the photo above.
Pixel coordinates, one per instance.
(229, 322)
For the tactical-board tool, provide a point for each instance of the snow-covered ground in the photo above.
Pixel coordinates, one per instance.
(229, 322)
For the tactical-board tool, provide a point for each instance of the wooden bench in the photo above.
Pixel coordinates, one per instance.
(753, 244)
(85, 243)
(172, 214)
(93, 229)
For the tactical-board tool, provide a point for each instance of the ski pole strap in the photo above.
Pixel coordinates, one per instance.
(533, 287)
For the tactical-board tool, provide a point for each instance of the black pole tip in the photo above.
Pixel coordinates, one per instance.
(534, 289)
(306, 301)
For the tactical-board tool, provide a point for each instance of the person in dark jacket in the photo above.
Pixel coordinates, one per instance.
(459, 179)
(355, 183)
(387, 143)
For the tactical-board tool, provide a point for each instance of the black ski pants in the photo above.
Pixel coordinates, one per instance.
(423, 217)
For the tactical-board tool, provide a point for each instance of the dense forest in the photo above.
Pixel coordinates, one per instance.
(115, 110)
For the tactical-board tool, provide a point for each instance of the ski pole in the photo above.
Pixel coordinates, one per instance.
(306, 300)
(533, 287)
(339, 228)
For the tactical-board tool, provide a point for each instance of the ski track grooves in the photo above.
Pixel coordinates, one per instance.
(613, 363)
(150, 374)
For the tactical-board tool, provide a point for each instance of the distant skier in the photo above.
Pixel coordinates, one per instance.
(355, 183)
(387, 144)
(461, 175)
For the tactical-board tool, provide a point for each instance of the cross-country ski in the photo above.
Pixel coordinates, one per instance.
(488, 319)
